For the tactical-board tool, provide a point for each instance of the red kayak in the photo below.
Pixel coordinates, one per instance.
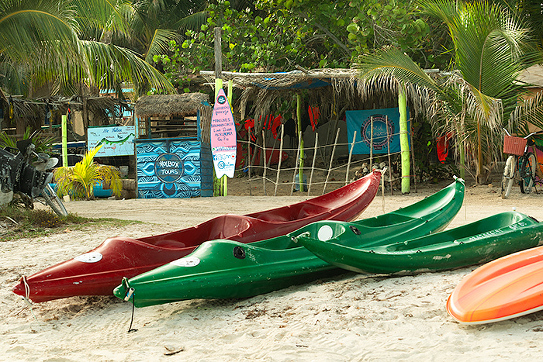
(99, 271)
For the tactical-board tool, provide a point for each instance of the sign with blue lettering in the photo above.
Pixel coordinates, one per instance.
(115, 141)
(223, 137)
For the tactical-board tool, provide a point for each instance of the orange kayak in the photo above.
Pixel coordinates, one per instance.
(505, 288)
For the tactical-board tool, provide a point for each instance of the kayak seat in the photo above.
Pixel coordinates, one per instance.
(170, 244)
(295, 212)
(392, 218)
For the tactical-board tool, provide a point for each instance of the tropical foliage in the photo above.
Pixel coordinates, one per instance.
(489, 51)
(64, 43)
(42, 144)
(79, 181)
(279, 35)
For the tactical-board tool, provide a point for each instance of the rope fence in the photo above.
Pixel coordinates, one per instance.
(323, 173)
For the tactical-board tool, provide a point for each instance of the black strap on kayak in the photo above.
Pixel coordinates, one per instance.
(130, 295)
(130, 329)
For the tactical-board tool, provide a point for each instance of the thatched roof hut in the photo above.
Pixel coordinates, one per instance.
(32, 112)
(334, 90)
(187, 104)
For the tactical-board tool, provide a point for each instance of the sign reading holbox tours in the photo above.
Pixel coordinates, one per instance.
(223, 137)
(386, 130)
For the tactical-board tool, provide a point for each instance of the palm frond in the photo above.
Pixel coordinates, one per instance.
(26, 27)
(109, 65)
(530, 111)
(107, 15)
(391, 69)
(160, 43)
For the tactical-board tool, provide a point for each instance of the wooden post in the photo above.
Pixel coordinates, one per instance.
(404, 143)
(389, 162)
(301, 139)
(479, 176)
(218, 184)
(371, 144)
(331, 160)
(64, 141)
(296, 167)
(349, 163)
(264, 160)
(313, 164)
(413, 160)
(85, 116)
(248, 165)
(280, 158)
(383, 191)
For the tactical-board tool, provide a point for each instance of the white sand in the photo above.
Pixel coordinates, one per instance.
(347, 318)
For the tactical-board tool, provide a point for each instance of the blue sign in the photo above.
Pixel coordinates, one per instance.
(384, 124)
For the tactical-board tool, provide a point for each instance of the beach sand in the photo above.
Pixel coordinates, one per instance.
(350, 317)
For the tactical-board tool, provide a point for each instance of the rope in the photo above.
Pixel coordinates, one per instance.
(26, 298)
(130, 329)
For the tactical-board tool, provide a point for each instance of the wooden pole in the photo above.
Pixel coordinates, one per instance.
(64, 140)
(404, 143)
(313, 163)
(218, 184)
(413, 160)
(371, 143)
(383, 191)
(280, 158)
(479, 176)
(301, 139)
(331, 160)
(264, 161)
(230, 96)
(296, 167)
(389, 161)
(349, 163)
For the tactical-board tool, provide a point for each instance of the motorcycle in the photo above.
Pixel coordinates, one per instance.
(25, 176)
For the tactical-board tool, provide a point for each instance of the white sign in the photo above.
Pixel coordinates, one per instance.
(223, 137)
(115, 141)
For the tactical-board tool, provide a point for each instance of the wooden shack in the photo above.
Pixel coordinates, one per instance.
(173, 154)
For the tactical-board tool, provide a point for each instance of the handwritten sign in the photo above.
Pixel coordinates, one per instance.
(223, 137)
(115, 141)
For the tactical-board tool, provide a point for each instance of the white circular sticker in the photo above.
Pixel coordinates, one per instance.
(91, 257)
(188, 261)
(325, 233)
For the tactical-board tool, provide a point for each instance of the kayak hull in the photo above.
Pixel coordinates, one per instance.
(471, 244)
(229, 269)
(502, 289)
(98, 271)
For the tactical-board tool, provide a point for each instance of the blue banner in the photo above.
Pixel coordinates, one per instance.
(386, 130)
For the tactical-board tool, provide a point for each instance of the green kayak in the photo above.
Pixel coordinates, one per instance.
(229, 269)
(474, 243)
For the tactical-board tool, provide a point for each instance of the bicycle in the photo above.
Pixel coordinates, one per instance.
(523, 157)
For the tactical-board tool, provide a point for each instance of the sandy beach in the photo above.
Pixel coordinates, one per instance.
(350, 317)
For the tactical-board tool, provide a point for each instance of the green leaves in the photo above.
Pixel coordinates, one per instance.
(79, 181)
(66, 42)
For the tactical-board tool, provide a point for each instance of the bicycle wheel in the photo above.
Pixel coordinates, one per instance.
(527, 165)
(508, 176)
(54, 201)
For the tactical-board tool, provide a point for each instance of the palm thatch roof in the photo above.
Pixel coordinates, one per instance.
(187, 104)
(333, 90)
(34, 111)
(170, 105)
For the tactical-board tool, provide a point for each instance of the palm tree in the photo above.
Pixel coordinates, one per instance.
(489, 51)
(41, 42)
(154, 23)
